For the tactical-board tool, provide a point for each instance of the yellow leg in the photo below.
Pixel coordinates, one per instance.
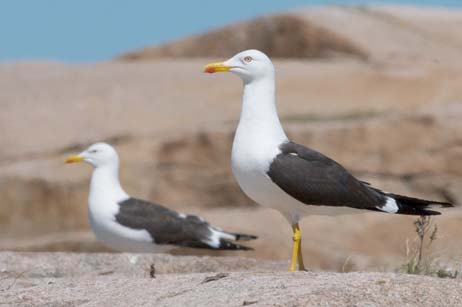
(296, 250)
(301, 266)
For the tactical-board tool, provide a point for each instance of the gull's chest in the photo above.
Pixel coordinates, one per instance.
(251, 157)
(252, 153)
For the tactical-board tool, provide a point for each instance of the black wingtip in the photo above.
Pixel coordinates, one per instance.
(224, 244)
(244, 237)
(443, 204)
(416, 206)
(416, 211)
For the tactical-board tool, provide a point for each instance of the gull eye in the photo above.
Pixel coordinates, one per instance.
(93, 151)
(248, 59)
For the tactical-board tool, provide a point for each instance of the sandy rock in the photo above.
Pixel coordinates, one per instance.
(394, 34)
(44, 265)
(121, 280)
(283, 36)
(378, 34)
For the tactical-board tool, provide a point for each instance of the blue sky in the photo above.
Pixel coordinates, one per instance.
(94, 30)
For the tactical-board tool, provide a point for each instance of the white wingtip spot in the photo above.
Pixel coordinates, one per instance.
(214, 239)
(182, 215)
(217, 235)
(390, 206)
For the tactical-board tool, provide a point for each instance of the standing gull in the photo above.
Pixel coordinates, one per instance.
(286, 176)
(128, 224)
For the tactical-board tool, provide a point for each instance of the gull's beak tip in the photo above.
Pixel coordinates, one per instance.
(210, 69)
(216, 67)
(73, 159)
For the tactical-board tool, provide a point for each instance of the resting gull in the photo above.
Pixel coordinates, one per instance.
(128, 224)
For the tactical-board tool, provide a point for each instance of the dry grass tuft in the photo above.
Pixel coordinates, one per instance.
(420, 260)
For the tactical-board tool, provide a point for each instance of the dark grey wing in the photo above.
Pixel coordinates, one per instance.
(168, 227)
(315, 179)
(165, 226)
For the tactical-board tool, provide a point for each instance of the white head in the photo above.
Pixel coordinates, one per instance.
(98, 155)
(249, 65)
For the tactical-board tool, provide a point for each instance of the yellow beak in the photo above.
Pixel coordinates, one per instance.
(73, 159)
(216, 67)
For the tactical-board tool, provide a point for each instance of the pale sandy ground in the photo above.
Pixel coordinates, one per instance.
(394, 120)
(125, 280)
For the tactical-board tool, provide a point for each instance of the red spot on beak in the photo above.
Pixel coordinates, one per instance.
(210, 70)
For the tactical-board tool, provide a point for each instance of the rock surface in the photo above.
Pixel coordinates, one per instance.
(375, 34)
(282, 36)
(129, 280)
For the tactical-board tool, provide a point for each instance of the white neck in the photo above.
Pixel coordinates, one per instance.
(259, 115)
(105, 185)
